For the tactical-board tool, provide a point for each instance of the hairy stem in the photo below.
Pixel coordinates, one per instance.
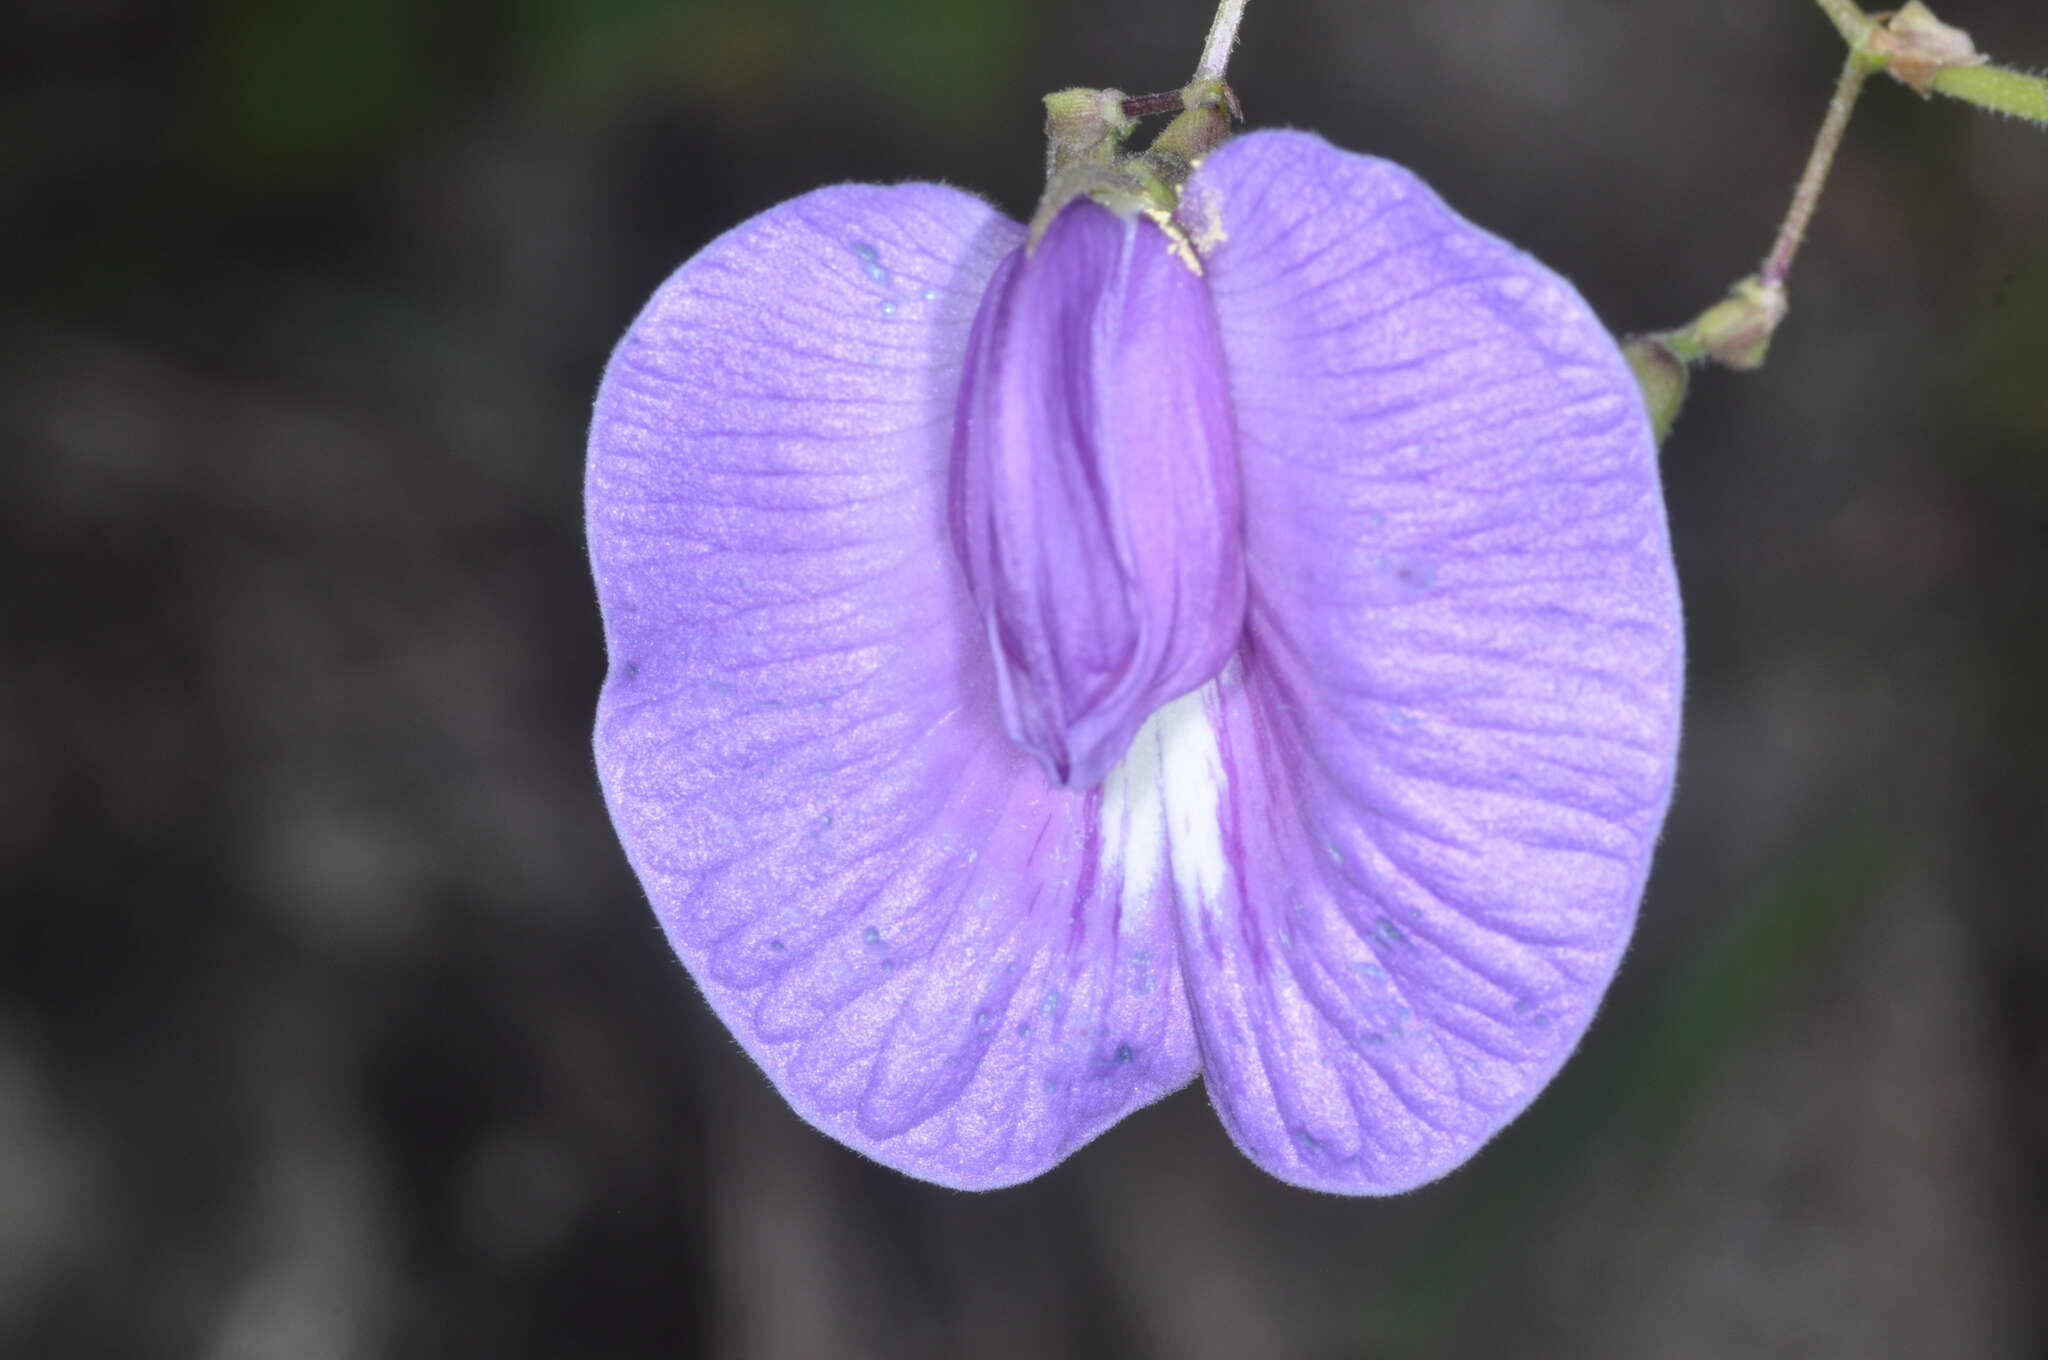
(1849, 19)
(1998, 89)
(1806, 197)
(1145, 105)
(1222, 37)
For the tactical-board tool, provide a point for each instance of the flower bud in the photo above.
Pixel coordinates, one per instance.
(1920, 47)
(1737, 330)
(1662, 375)
(1083, 125)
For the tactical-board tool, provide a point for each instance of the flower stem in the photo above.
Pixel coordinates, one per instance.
(1222, 37)
(1806, 197)
(1849, 20)
(1145, 105)
(1922, 53)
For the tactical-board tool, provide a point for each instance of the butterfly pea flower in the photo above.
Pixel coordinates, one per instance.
(1238, 641)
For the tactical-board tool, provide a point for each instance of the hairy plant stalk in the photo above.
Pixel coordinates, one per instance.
(1222, 37)
(1806, 197)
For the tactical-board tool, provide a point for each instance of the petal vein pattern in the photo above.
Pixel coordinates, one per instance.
(1448, 741)
(936, 957)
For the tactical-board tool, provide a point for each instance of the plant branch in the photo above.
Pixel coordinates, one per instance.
(1920, 52)
(1806, 197)
(1222, 37)
(1849, 20)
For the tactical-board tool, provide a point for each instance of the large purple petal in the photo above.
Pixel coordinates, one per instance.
(936, 957)
(1095, 489)
(1439, 768)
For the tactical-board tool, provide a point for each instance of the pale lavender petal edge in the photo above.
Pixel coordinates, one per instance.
(937, 959)
(1442, 761)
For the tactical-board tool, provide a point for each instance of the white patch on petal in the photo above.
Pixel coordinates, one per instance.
(1159, 809)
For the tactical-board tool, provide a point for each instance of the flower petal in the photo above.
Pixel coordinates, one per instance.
(936, 957)
(1441, 763)
(1095, 493)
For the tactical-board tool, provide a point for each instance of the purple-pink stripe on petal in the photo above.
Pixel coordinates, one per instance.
(1095, 502)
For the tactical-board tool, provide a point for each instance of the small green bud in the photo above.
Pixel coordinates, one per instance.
(1084, 132)
(1736, 331)
(1208, 109)
(1662, 375)
(1917, 47)
(1084, 126)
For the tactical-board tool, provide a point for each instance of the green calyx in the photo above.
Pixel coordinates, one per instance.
(1734, 333)
(1084, 127)
(1085, 132)
(1663, 376)
(1208, 108)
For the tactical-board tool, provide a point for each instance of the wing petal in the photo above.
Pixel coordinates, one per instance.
(1444, 754)
(935, 956)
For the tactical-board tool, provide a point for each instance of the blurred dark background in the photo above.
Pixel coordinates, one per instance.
(332, 1023)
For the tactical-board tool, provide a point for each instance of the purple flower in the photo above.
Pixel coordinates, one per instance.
(1245, 645)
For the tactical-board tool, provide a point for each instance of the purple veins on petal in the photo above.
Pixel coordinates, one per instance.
(1509, 594)
(1095, 499)
(1015, 708)
(767, 484)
